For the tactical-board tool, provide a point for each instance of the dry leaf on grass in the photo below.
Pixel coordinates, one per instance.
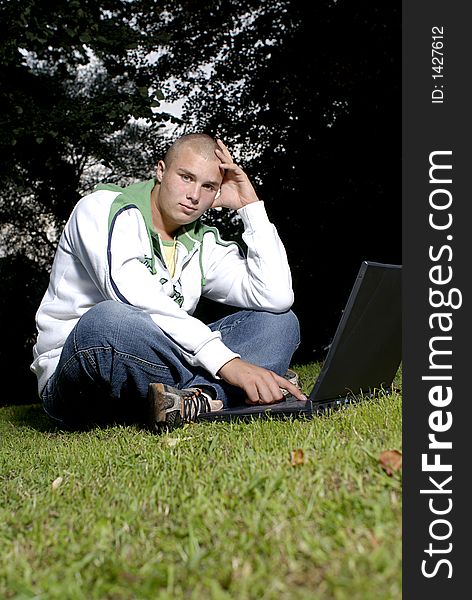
(390, 461)
(56, 483)
(173, 441)
(296, 457)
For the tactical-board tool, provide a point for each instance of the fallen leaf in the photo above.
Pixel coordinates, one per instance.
(57, 482)
(129, 577)
(171, 442)
(373, 538)
(390, 461)
(296, 457)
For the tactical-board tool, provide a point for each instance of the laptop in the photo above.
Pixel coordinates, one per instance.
(363, 357)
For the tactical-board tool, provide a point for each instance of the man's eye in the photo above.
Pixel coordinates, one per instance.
(208, 186)
(186, 177)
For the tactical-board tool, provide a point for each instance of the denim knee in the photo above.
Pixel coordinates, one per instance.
(106, 323)
(284, 325)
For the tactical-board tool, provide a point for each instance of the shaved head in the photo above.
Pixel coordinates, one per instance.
(201, 143)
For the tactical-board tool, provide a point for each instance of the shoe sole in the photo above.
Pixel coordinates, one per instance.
(158, 418)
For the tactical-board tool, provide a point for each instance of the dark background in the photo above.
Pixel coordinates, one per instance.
(307, 97)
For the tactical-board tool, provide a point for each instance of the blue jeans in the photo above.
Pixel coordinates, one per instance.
(115, 351)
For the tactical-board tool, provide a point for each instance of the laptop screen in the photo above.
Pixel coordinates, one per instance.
(366, 349)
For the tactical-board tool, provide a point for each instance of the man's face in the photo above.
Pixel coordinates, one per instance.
(188, 187)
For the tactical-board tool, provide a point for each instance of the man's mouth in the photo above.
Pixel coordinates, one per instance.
(187, 208)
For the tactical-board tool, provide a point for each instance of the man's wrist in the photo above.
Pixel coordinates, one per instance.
(247, 202)
(219, 373)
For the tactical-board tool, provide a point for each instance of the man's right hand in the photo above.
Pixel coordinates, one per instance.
(261, 385)
(236, 190)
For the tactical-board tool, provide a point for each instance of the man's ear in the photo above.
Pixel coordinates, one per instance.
(160, 169)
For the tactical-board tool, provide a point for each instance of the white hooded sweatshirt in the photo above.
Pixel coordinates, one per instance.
(109, 250)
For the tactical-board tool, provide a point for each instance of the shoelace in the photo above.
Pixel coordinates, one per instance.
(194, 404)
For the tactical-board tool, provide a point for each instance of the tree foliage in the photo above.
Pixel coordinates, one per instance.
(74, 83)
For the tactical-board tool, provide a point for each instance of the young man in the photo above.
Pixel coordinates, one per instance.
(116, 337)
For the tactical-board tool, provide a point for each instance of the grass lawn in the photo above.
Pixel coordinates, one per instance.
(268, 509)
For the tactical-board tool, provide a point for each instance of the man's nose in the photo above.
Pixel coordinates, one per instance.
(193, 193)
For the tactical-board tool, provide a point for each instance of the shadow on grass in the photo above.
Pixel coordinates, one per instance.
(34, 417)
(30, 415)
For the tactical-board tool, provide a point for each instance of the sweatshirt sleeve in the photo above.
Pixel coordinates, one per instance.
(120, 273)
(260, 281)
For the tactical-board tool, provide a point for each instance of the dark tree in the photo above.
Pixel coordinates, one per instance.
(77, 94)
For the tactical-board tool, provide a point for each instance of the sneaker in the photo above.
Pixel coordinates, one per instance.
(171, 407)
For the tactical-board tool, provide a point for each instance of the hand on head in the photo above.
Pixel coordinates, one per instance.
(236, 190)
